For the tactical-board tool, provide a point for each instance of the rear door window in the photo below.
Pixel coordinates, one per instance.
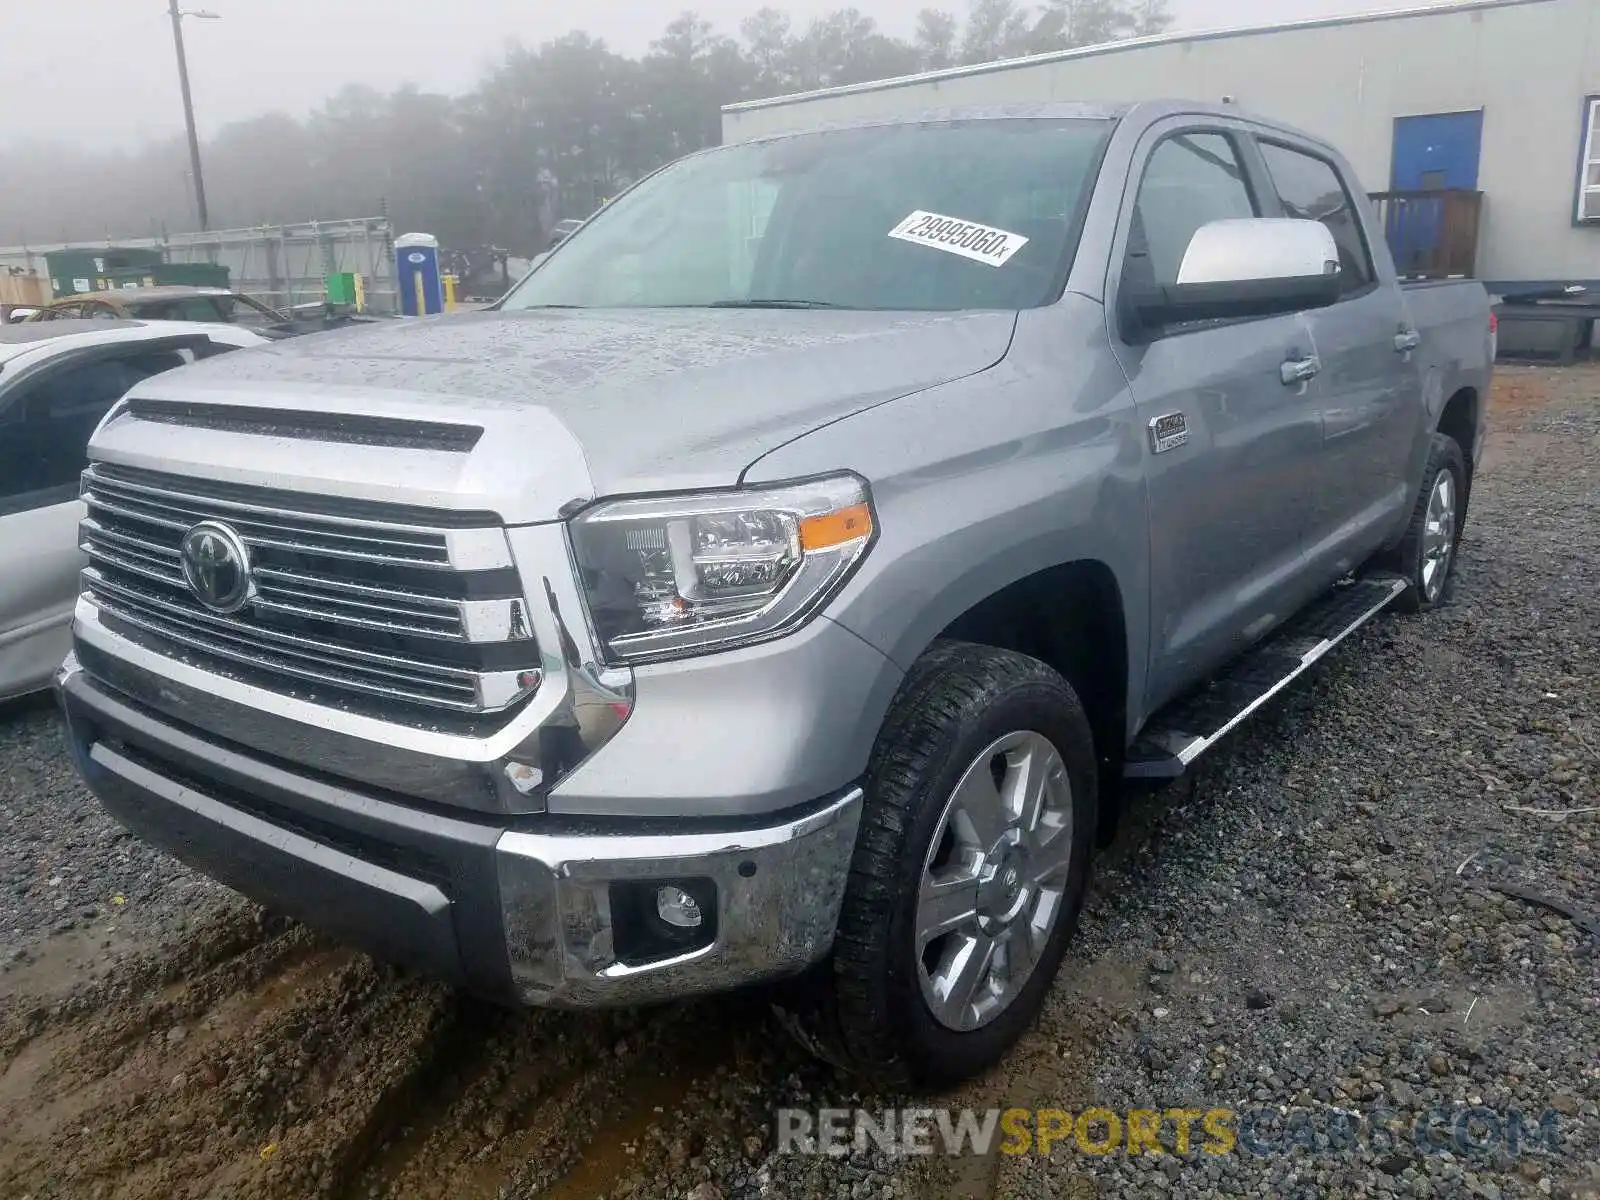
(1309, 187)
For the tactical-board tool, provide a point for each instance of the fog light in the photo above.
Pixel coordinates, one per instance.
(677, 908)
(654, 919)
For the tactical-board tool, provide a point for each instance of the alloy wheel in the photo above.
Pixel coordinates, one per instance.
(994, 880)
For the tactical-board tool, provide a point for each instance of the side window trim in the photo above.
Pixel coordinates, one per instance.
(1267, 202)
(1351, 198)
(1256, 183)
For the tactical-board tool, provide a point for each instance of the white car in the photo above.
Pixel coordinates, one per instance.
(57, 380)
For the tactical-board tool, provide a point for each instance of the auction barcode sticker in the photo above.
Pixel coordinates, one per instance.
(981, 243)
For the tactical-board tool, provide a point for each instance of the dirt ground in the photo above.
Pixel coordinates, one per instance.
(241, 1056)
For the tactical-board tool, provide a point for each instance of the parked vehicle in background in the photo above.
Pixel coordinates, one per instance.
(56, 381)
(170, 302)
(482, 273)
(783, 577)
(182, 303)
(563, 229)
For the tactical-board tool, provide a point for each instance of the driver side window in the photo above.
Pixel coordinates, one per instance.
(1192, 178)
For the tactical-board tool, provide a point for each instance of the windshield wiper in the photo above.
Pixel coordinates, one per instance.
(774, 304)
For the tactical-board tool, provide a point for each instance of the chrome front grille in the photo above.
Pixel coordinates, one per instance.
(388, 605)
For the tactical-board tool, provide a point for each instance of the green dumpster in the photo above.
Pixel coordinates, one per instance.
(75, 272)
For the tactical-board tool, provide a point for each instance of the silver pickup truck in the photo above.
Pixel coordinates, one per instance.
(781, 581)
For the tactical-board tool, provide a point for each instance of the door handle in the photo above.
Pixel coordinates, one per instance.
(1406, 341)
(1298, 370)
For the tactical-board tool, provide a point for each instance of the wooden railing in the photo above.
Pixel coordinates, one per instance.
(1432, 234)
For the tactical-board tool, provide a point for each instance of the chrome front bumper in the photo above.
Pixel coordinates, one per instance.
(530, 909)
(778, 889)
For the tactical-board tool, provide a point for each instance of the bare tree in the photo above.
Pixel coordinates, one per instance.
(769, 46)
(936, 35)
(995, 29)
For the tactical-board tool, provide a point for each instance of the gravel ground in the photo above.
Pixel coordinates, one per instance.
(1308, 927)
(65, 867)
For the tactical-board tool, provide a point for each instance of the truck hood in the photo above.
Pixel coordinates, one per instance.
(572, 404)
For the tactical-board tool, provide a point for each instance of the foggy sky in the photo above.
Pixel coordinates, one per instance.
(100, 73)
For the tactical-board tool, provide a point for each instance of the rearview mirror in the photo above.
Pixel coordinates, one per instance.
(1241, 268)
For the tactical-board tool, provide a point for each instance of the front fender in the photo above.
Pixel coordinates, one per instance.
(1037, 462)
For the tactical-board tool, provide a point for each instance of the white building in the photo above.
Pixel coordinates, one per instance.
(1498, 97)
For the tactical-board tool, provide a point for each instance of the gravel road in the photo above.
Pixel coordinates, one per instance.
(1375, 900)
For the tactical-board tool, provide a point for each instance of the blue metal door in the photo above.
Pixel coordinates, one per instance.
(1432, 152)
(1436, 151)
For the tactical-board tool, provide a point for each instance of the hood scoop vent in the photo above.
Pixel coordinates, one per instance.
(389, 432)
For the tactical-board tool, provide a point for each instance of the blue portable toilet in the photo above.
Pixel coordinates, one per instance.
(416, 273)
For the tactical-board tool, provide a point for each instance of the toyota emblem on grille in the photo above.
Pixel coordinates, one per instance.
(216, 566)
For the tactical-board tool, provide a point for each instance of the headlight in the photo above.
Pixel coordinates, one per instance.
(683, 575)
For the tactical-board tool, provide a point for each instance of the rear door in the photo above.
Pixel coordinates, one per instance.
(1230, 445)
(46, 418)
(1370, 390)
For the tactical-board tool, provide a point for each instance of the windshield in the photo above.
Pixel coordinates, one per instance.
(938, 216)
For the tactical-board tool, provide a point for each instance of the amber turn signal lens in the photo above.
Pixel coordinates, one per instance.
(836, 528)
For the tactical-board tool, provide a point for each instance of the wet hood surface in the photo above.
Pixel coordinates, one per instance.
(653, 398)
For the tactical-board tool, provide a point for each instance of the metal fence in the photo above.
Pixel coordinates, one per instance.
(283, 265)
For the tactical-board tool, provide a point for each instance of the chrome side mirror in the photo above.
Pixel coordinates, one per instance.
(1259, 248)
(1241, 268)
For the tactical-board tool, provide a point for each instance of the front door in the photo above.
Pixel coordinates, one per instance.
(1369, 389)
(1227, 503)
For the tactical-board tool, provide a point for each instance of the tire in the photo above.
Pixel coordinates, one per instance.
(883, 1008)
(1421, 557)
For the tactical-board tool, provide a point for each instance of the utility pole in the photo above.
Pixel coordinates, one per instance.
(188, 116)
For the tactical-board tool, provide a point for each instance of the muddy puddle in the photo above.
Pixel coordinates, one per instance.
(254, 1059)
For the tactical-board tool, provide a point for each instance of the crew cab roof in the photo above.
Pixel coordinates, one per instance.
(1145, 112)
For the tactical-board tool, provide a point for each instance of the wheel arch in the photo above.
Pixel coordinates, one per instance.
(1459, 419)
(1072, 617)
